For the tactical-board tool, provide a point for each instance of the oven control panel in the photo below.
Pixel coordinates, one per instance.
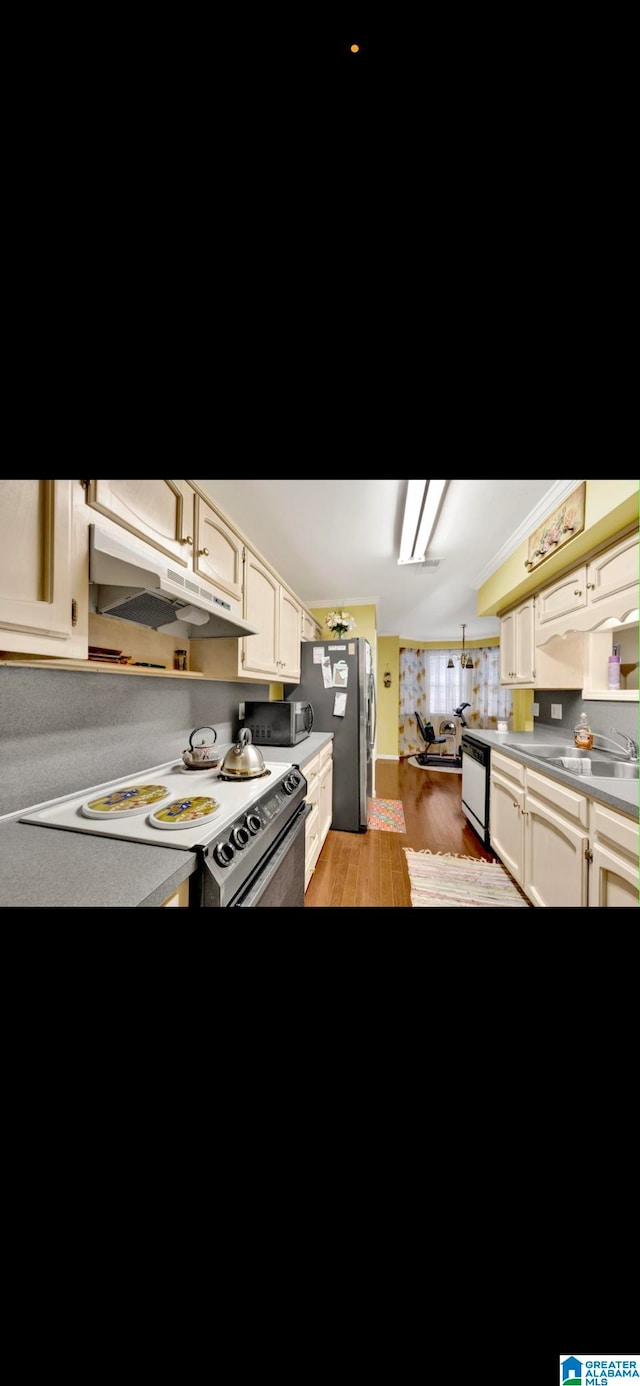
(244, 836)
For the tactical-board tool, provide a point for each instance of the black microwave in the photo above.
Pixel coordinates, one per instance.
(281, 723)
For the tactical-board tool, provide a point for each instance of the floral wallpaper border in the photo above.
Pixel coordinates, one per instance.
(561, 525)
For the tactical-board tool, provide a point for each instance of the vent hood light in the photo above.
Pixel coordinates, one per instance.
(144, 588)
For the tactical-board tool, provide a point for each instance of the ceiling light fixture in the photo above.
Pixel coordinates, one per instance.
(422, 507)
(465, 658)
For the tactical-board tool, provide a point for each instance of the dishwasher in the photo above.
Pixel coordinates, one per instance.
(475, 784)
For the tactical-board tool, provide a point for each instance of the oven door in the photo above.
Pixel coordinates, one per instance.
(279, 880)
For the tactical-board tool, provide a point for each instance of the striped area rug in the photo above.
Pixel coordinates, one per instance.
(387, 815)
(439, 878)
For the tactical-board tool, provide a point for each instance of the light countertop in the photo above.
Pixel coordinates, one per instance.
(299, 755)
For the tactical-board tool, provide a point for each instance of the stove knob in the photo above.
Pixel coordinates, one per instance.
(292, 781)
(239, 837)
(253, 822)
(224, 853)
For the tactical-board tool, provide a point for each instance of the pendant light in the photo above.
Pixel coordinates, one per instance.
(465, 658)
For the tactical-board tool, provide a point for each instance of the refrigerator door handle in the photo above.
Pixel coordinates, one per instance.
(373, 714)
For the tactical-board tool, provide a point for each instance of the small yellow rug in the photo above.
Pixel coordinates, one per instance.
(439, 878)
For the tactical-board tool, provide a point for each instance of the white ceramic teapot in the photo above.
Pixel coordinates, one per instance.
(202, 754)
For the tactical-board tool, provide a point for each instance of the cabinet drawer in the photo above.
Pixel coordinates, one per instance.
(615, 830)
(511, 768)
(564, 800)
(326, 754)
(311, 772)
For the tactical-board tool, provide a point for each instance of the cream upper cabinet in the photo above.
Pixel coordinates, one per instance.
(288, 636)
(218, 550)
(259, 653)
(311, 629)
(606, 587)
(43, 569)
(178, 522)
(159, 512)
(272, 654)
(562, 598)
(612, 578)
(517, 645)
(613, 879)
(572, 642)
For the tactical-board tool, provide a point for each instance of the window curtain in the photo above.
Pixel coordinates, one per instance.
(427, 684)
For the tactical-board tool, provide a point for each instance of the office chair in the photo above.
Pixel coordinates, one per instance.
(430, 739)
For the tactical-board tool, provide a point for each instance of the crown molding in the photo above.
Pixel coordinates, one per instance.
(558, 492)
(331, 602)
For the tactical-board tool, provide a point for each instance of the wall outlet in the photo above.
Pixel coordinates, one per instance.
(241, 711)
(556, 709)
(535, 709)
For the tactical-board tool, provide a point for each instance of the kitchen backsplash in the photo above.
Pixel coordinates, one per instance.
(602, 715)
(63, 731)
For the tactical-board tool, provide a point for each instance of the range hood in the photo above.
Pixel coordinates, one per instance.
(134, 585)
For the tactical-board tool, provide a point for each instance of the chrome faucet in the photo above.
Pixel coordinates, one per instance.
(631, 746)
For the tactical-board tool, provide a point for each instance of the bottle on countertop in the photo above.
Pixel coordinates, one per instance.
(583, 735)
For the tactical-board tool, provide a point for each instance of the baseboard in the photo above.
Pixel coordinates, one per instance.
(387, 757)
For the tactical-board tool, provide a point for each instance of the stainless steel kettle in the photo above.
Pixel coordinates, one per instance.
(243, 761)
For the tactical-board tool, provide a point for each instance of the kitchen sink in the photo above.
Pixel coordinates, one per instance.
(597, 763)
(603, 769)
(546, 753)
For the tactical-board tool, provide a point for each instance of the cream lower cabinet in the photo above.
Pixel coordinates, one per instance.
(539, 830)
(312, 840)
(506, 809)
(562, 847)
(326, 791)
(319, 776)
(613, 878)
(43, 569)
(556, 842)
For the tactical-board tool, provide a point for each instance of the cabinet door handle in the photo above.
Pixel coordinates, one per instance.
(577, 592)
(188, 540)
(590, 584)
(204, 551)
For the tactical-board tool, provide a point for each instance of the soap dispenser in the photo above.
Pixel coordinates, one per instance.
(583, 735)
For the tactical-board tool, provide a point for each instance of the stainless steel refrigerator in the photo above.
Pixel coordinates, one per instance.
(345, 706)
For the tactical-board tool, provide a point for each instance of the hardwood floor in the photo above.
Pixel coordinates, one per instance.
(371, 868)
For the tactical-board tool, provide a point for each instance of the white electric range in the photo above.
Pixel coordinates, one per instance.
(245, 831)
